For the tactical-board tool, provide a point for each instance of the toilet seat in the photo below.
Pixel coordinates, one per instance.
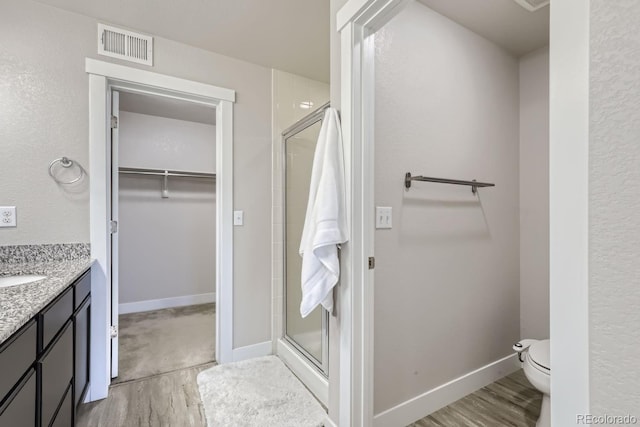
(539, 354)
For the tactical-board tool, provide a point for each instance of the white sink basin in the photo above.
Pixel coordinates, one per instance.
(22, 279)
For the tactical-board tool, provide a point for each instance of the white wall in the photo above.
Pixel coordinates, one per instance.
(447, 278)
(167, 245)
(148, 141)
(534, 194)
(44, 111)
(614, 221)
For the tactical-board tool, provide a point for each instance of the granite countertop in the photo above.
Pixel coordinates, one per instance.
(20, 303)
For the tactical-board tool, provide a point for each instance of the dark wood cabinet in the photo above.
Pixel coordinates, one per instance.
(54, 317)
(17, 355)
(64, 416)
(56, 373)
(82, 325)
(19, 406)
(44, 366)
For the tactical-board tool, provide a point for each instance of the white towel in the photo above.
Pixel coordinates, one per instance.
(325, 224)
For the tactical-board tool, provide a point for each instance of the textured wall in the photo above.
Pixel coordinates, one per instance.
(614, 206)
(44, 114)
(167, 245)
(446, 106)
(534, 194)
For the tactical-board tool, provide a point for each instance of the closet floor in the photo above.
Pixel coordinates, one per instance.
(510, 401)
(160, 341)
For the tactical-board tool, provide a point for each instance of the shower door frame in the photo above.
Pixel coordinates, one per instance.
(314, 375)
(323, 365)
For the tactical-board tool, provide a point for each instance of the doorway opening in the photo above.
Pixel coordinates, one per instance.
(150, 190)
(163, 207)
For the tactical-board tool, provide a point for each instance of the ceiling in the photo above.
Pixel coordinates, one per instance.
(167, 107)
(293, 35)
(290, 35)
(503, 22)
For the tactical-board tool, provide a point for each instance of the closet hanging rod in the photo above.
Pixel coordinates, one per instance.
(163, 172)
(473, 184)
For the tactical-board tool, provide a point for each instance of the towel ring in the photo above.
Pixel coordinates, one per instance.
(66, 163)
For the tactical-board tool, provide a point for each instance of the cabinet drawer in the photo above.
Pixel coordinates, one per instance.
(17, 354)
(64, 417)
(56, 370)
(55, 316)
(82, 288)
(19, 410)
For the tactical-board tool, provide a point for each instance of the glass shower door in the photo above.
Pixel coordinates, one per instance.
(308, 335)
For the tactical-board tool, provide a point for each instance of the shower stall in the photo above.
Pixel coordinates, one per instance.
(304, 341)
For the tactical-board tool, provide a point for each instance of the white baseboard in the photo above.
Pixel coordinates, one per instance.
(255, 350)
(312, 379)
(329, 423)
(420, 406)
(158, 304)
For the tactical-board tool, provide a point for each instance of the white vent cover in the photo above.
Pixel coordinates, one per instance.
(532, 5)
(123, 44)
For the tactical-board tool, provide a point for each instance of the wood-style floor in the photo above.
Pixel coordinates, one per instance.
(161, 354)
(165, 400)
(171, 398)
(510, 401)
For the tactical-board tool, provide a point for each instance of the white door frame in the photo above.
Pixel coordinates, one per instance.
(356, 22)
(103, 77)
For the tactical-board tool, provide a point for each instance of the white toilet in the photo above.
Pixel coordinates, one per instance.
(535, 358)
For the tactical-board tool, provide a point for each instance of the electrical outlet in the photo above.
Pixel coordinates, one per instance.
(384, 217)
(7, 216)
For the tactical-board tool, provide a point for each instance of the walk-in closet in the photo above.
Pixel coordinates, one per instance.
(164, 202)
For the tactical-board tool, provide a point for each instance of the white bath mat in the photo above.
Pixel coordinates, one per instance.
(257, 392)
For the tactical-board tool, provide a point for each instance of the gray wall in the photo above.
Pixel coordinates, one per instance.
(614, 221)
(43, 115)
(534, 194)
(166, 245)
(447, 278)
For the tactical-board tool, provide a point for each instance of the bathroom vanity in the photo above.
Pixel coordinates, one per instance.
(44, 345)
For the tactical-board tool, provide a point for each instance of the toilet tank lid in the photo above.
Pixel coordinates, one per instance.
(540, 353)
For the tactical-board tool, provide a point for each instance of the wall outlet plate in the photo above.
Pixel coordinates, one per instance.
(8, 216)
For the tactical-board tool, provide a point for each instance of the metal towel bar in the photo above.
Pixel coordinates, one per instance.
(473, 184)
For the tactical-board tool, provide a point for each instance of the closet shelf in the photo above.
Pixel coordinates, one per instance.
(162, 172)
(165, 174)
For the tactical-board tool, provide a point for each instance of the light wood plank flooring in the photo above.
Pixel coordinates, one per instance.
(167, 394)
(510, 401)
(165, 400)
(161, 354)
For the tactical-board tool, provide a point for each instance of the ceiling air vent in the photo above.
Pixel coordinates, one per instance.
(532, 5)
(123, 44)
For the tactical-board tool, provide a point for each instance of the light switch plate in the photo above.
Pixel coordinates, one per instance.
(384, 217)
(8, 216)
(238, 217)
